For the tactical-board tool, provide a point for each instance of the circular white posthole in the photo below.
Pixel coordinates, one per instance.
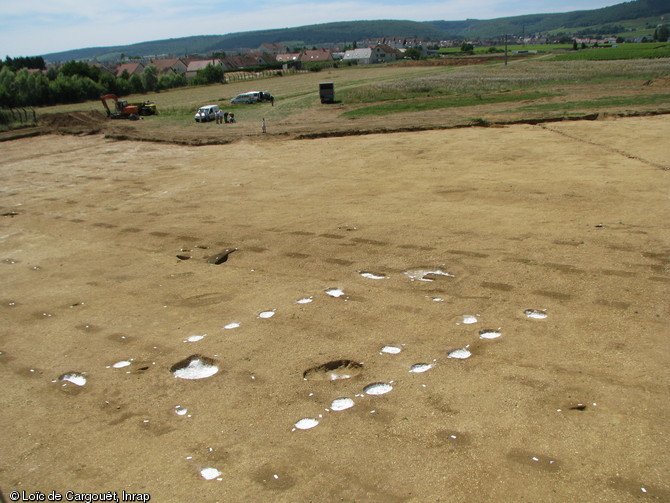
(469, 319)
(210, 473)
(195, 338)
(121, 364)
(306, 300)
(73, 377)
(267, 314)
(419, 368)
(426, 275)
(194, 367)
(460, 354)
(535, 314)
(372, 275)
(489, 334)
(393, 350)
(378, 388)
(306, 423)
(232, 325)
(335, 292)
(341, 404)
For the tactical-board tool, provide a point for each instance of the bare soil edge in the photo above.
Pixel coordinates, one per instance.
(72, 124)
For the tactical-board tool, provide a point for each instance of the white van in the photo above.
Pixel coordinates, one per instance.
(206, 113)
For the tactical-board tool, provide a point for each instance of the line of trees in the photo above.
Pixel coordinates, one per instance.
(22, 84)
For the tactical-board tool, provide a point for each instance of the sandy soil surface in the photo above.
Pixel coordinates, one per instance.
(128, 264)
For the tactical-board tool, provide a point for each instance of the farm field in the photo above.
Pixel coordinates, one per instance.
(391, 98)
(441, 314)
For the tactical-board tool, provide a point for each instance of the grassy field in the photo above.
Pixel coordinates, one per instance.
(543, 83)
(601, 102)
(623, 51)
(565, 52)
(544, 48)
(433, 103)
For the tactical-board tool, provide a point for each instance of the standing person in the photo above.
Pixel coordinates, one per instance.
(263, 125)
(232, 118)
(225, 117)
(272, 100)
(219, 117)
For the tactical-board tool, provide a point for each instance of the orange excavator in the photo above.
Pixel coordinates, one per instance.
(122, 110)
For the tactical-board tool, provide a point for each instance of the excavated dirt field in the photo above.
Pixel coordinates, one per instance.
(173, 314)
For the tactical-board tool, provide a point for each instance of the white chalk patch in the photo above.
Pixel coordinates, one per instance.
(121, 364)
(196, 338)
(335, 292)
(425, 275)
(306, 423)
(267, 314)
(210, 473)
(468, 319)
(306, 300)
(535, 314)
(437, 299)
(342, 404)
(460, 354)
(196, 369)
(232, 325)
(379, 388)
(73, 378)
(393, 350)
(489, 334)
(420, 368)
(371, 275)
(180, 411)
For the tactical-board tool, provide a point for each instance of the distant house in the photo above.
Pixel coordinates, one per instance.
(166, 66)
(272, 48)
(103, 68)
(130, 68)
(380, 53)
(200, 64)
(315, 55)
(394, 42)
(263, 58)
(287, 57)
(361, 56)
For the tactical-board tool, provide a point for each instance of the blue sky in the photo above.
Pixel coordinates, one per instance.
(35, 27)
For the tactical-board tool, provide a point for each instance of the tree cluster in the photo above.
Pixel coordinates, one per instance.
(661, 34)
(23, 84)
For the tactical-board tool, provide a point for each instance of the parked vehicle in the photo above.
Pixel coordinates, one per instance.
(247, 98)
(146, 108)
(252, 97)
(122, 110)
(264, 96)
(206, 113)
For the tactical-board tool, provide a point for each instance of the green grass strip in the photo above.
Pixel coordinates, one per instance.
(624, 51)
(420, 105)
(604, 102)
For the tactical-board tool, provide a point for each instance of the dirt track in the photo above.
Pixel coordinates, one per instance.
(570, 219)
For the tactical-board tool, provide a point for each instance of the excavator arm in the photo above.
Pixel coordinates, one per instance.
(104, 99)
(121, 109)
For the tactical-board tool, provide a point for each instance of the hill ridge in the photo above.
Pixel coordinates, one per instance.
(341, 32)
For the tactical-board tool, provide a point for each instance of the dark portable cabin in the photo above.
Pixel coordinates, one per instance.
(327, 92)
